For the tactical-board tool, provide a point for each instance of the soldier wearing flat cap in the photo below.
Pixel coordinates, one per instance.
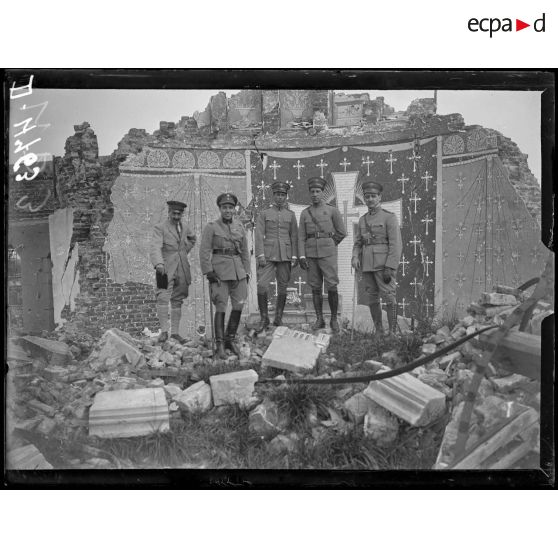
(320, 231)
(376, 252)
(276, 242)
(225, 261)
(171, 243)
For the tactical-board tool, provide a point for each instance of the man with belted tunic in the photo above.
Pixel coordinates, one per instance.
(320, 231)
(171, 243)
(276, 242)
(225, 261)
(376, 252)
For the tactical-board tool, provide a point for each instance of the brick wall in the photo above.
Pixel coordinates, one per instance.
(85, 184)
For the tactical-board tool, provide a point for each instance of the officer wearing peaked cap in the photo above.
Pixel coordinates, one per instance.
(171, 243)
(376, 252)
(276, 251)
(225, 261)
(321, 229)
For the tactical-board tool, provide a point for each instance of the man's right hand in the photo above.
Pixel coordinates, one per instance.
(160, 268)
(212, 277)
(261, 261)
(355, 262)
(303, 263)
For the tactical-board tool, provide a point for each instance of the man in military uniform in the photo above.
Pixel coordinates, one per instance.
(276, 251)
(225, 261)
(321, 230)
(170, 244)
(376, 252)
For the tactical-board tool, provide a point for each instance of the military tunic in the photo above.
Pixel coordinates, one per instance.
(171, 248)
(276, 239)
(318, 243)
(224, 250)
(377, 244)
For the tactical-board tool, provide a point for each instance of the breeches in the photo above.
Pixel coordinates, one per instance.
(322, 270)
(176, 292)
(375, 287)
(221, 291)
(271, 270)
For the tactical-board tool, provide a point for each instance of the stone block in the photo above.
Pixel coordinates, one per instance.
(375, 365)
(55, 373)
(118, 344)
(172, 390)
(41, 407)
(233, 387)
(196, 398)
(55, 352)
(509, 383)
(428, 348)
(26, 458)
(295, 351)
(125, 413)
(358, 405)
(498, 299)
(447, 359)
(266, 421)
(408, 398)
(380, 425)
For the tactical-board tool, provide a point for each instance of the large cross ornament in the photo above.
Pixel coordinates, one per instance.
(391, 160)
(426, 220)
(426, 177)
(367, 162)
(403, 180)
(414, 157)
(275, 166)
(415, 199)
(300, 282)
(403, 262)
(298, 166)
(414, 242)
(344, 164)
(321, 164)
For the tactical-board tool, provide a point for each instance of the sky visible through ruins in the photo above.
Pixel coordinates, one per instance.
(111, 113)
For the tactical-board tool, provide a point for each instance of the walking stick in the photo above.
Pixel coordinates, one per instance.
(354, 306)
(211, 318)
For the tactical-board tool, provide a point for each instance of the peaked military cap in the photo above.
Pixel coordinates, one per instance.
(177, 205)
(280, 187)
(227, 198)
(316, 182)
(372, 186)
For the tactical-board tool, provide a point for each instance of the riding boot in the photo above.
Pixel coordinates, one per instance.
(280, 306)
(333, 299)
(264, 315)
(318, 301)
(220, 335)
(232, 327)
(163, 315)
(376, 313)
(176, 314)
(391, 310)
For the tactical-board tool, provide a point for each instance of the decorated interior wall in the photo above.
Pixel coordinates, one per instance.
(408, 173)
(139, 196)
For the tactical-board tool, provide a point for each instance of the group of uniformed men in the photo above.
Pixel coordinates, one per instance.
(280, 245)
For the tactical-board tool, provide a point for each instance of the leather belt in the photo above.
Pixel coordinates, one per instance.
(226, 251)
(371, 241)
(319, 235)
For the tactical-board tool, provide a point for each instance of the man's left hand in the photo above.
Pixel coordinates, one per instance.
(294, 262)
(388, 274)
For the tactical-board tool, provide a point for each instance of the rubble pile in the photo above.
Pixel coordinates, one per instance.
(66, 385)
